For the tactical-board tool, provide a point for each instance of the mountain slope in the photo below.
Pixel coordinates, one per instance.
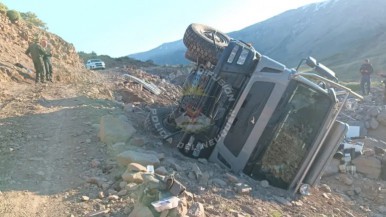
(339, 33)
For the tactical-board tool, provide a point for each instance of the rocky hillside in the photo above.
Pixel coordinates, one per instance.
(339, 33)
(14, 40)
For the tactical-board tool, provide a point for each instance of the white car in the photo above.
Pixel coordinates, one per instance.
(95, 64)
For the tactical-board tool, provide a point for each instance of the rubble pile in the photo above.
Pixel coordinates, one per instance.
(132, 92)
(358, 170)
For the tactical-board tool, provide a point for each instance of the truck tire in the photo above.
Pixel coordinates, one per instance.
(157, 123)
(192, 57)
(205, 42)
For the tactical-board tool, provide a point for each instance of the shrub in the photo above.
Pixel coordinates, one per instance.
(13, 15)
(3, 8)
(30, 17)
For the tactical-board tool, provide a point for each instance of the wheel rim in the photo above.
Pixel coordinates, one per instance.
(218, 37)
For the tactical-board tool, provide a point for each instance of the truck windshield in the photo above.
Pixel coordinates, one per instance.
(289, 135)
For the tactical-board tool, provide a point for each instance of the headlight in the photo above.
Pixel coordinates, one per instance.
(233, 54)
(243, 56)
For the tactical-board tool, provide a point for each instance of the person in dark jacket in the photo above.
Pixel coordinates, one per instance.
(47, 59)
(366, 70)
(36, 52)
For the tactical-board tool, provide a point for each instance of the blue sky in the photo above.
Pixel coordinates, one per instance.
(121, 27)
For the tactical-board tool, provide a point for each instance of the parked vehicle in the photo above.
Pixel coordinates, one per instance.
(95, 64)
(254, 115)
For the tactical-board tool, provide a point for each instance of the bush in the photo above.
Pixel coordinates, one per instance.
(3, 8)
(13, 15)
(30, 17)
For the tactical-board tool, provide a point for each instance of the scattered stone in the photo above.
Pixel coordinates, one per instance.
(325, 188)
(346, 180)
(243, 188)
(232, 178)
(131, 187)
(137, 141)
(85, 198)
(174, 166)
(219, 182)
(112, 192)
(298, 203)
(196, 210)
(282, 201)
(98, 213)
(204, 178)
(349, 214)
(122, 192)
(95, 163)
(136, 167)
(141, 210)
(132, 177)
(264, 183)
(161, 171)
(105, 186)
(127, 210)
(248, 210)
(130, 156)
(197, 171)
(122, 184)
(101, 195)
(336, 210)
(379, 151)
(188, 195)
(357, 190)
(113, 197)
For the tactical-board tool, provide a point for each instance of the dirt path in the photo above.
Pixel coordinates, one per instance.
(48, 139)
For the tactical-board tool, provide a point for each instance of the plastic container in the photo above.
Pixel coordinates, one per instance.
(166, 203)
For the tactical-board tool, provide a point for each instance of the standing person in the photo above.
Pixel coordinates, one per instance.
(36, 52)
(366, 70)
(47, 59)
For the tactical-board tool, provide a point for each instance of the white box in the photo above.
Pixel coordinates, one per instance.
(166, 203)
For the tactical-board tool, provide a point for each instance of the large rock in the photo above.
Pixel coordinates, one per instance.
(369, 166)
(381, 118)
(374, 123)
(113, 130)
(127, 157)
(131, 177)
(332, 168)
(141, 210)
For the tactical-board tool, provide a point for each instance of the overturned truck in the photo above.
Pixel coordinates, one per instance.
(254, 115)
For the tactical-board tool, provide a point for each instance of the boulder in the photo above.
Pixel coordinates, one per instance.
(113, 130)
(369, 166)
(130, 156)
(381, 118)
(141, 210)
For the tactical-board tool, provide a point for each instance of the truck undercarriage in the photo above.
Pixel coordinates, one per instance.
(254, 115)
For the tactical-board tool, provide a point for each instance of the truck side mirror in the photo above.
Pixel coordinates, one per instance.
(324, 71)
(311, 62)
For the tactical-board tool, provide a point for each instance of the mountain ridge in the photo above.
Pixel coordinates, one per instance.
(339, 33)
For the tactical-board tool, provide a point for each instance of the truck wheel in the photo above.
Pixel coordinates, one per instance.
(205, 42)
(192, 57)
(157, 123)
